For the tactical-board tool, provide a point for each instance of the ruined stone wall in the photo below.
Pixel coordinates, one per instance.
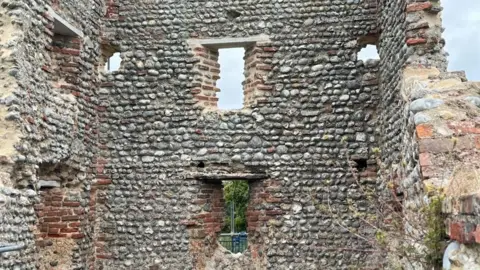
(51, 105)
(445, 119)
(400, 174)
(409, 36)
(448, 131)
(17, 218)
(429, 121)
(393, 54)
(323, 104)
(123, 169)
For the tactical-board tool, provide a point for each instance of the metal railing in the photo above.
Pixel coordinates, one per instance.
(236, 242)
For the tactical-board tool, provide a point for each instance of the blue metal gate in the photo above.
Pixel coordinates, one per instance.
(236, 243)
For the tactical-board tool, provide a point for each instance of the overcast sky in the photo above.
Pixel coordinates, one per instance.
(461, 18)
(231, 78)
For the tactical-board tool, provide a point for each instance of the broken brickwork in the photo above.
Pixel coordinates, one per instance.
(123, 170)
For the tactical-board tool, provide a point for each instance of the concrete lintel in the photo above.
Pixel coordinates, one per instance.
(63, 27)
(229, 42)
(47, 184)
(230, 176)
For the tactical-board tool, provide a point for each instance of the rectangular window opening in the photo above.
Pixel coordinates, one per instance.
(232, 73)
(232, 67)
(233, 236)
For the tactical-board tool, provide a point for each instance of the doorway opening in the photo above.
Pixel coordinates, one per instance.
(234, 235)
(256, 204)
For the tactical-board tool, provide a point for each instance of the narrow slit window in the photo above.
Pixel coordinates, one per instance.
(231, 80)
(369, 52)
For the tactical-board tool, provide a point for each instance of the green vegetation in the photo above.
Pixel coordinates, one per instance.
(435, 236)
(236, 192)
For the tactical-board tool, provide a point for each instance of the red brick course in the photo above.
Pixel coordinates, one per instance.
(419, 6)
(59, 216)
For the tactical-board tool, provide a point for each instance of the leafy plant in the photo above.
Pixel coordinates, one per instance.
(236, 192)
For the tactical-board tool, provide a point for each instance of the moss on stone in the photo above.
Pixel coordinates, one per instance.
(435, 236)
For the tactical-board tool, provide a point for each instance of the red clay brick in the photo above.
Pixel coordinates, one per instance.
(477, 234)
(416, 41)
(69, 230)
(103, 182)
(78, 235)
(71, 218)
(424, 131)
(456, 231)
(51, 219)
(425, 159)
(57, 225)
(419, 6)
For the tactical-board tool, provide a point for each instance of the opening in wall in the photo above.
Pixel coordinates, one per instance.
(223, 64)
(234, 232)
(210, 223)
(231, 78)
(113, 63)
(110, 59)
(368, 52)
(65, 50)
(62, 26)
(65, 61)
(361, 164)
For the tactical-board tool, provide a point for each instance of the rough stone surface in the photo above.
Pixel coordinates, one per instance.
(16, 217)
(466, 257)
(135, 157)
(425, 104)
(474, 100)
(449, 155)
